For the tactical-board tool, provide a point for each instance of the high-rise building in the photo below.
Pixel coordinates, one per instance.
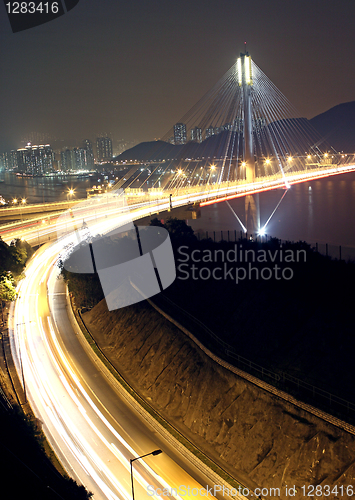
(3, 161)
(6, 161)
(209, 131)
(180, 133)
(104, 148)
(196, 134)
(76, 159)
(22, 160)
(35, 160)
(13, 159)
(80, 162)
(67, 160)
(87, 145)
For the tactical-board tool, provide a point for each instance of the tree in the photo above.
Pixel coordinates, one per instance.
(13, 257)
(178, 229)
(156, 222)
(7, 287)
(7, 290)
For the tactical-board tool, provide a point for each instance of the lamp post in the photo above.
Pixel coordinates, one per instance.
(154, 453)
(212, 169)
(70, 193)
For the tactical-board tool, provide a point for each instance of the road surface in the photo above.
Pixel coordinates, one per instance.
(93, 429)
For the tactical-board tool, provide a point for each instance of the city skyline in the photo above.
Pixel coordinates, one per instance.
(137, 86)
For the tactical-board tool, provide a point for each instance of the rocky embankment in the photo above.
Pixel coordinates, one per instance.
(259, 438)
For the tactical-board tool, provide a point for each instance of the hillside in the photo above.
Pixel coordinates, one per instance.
(336, 126)
(256, 436)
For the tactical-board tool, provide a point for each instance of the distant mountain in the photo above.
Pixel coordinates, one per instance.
(225, 143)
(337, 126)
(214, 146)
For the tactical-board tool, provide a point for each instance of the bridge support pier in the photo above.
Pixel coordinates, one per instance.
(252, 209)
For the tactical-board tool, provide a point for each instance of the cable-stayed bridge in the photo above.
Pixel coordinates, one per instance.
(241, 138)
(260, 147)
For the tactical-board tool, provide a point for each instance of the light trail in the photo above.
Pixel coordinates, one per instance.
(92, 446)
(203, 195)
(84, 432)
(263, 186)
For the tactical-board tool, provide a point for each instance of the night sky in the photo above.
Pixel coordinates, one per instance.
(134, 68)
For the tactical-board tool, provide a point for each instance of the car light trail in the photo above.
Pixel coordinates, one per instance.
(203, 195)
(82, 431)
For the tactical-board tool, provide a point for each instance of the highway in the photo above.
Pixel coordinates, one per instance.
(44, 229)
(91, 424)
(92, 427)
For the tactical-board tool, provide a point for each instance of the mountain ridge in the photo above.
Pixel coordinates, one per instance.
(336, 126)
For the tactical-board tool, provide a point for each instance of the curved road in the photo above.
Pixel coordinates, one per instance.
(91, 426)
(93, 429)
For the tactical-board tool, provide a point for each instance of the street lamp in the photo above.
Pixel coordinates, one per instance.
(212, 168)
(70, 193)
(154, 453)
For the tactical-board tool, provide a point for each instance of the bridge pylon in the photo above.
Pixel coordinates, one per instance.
(245, 80)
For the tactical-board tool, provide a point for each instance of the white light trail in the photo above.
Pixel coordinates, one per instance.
(91, 448)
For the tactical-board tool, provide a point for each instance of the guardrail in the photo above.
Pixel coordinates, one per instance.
(34, 207)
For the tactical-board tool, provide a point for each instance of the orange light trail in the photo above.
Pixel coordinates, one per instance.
(271, 187)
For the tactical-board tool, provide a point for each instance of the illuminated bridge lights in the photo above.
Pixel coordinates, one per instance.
(204, 195)
(244, 64)
(285, 183)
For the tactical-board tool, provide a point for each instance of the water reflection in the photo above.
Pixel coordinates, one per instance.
(325, 213)
(42, 189)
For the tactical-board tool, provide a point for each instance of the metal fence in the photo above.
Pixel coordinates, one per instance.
(340, 252)
(297, 387)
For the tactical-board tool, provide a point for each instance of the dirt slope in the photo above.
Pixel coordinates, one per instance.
(251, 433)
